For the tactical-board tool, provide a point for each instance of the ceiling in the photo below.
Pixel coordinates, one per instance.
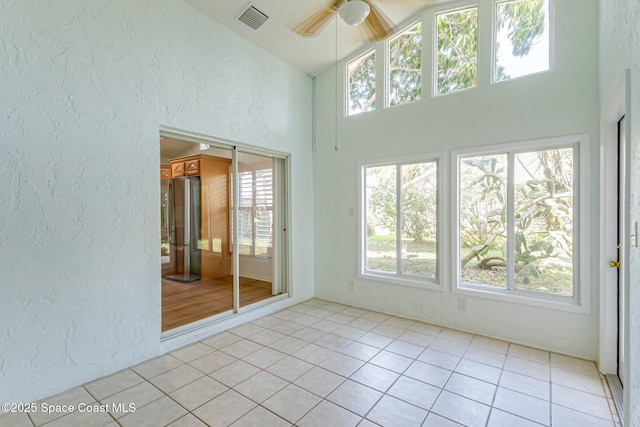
(171, 148)
(311, 55)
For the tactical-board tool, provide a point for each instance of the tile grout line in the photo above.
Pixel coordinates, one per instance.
(392, 328)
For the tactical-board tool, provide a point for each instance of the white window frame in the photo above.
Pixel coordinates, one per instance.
(387, 61)
(414, 281)
(580, 301)
(494, 37)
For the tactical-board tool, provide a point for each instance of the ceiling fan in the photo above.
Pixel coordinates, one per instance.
(354, 12)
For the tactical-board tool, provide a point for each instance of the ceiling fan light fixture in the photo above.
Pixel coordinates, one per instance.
(354, 12)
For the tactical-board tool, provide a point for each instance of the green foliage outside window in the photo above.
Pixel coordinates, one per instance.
(362, 83)
(405, 61)
(524, 23)
(542, 221)
(417, 215)
(457, 50)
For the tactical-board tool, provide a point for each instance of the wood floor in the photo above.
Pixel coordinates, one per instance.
(184, 303)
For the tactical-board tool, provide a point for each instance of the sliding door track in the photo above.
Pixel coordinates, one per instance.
(616, 391)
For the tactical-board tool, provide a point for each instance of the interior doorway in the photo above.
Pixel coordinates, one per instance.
(616, 381)
(617, 234)
(223, 239)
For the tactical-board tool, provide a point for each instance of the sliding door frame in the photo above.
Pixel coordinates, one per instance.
(281, 224)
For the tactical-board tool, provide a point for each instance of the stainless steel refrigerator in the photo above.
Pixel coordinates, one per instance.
(183, 220)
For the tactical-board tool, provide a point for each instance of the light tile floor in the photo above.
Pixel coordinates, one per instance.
(326, 364)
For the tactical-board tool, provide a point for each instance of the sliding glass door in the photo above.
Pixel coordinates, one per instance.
(260, 215)
(239, 233)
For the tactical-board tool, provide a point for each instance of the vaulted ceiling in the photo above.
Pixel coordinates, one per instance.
(311, 55)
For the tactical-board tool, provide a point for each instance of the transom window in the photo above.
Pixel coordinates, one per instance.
(361, 83)
(457, 34)
(518, 225)
(405, 63)
(400, 220)
(521, 38)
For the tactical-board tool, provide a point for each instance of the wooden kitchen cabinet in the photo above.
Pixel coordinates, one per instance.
(165, 171)
(187, 166)
(177, 169)
(192, 167)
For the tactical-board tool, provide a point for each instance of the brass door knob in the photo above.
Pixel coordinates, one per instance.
(614, 264)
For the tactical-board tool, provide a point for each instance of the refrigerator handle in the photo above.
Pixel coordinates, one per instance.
(170, 203)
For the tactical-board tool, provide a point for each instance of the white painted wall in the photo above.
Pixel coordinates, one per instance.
(85, 86)
(619, 51)
(560, 102)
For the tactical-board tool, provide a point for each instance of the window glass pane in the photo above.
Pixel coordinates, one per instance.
(256, 210)
(404, 66)
(380, 193)
(483, 220)
(522, 38)
(246, 189)
(264, 211)
(264, 231)
(264, 187)
(419, 219)
(457, 50)
(164, 222)
(544, 221)
(245, 233)
(257, 221)
(361, 80)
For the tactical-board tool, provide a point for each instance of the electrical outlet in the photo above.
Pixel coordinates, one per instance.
(350, 286)
(352, 212)
(634, 235)
(462, 303)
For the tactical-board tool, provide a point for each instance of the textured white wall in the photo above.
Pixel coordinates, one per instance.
(85, 86)
(563, 101)
(619, 51)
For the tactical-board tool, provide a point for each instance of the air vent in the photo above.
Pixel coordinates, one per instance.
(253, 17)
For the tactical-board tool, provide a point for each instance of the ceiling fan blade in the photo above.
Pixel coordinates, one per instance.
(377, 25)
(314, 24)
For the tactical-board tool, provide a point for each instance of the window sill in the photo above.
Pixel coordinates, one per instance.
(511, 79)
(554, 302)
(430, 284)
(263, 258)
(359, 113)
